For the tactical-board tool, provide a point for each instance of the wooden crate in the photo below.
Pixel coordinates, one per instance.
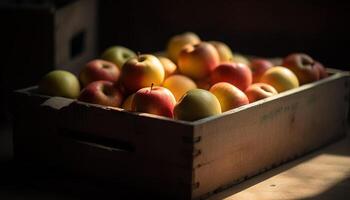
(185, 160)
(37, 37)
(62, 37)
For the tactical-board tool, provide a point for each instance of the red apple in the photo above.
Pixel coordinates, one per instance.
(97, 70)
(322, 73)
(154, 100)
(259, 91)
(302, 65)
(198, 61)
(238, 74)
(258, 67)
(103, 93)
(142, 71)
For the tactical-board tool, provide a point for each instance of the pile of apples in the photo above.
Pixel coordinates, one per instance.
(192, 79)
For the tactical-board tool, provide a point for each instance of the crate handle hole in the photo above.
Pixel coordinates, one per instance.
(77, 44)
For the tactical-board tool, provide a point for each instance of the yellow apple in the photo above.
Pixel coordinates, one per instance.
(280, 78)
(225, 52)
(169, 66)
(177, 42)
(179, 85)
(229, 96)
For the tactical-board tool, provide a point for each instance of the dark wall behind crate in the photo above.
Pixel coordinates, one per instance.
(266, 28)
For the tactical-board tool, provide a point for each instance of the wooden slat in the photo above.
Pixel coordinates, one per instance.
(238, 145)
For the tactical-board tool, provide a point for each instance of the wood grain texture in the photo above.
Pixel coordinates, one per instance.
(324, 174)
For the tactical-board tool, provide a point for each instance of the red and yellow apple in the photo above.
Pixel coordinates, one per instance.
(229, 96)
(238, 74)
(154, 100)
(60, 83)
(117, 55)
(258, 67)
(259, 91)
(196, 104)
(142, 71)
(198, 61)
(225, 52)
(281, 78)
(239, 58)
(177, 42)
(103, 93)
(169, 66)
(179, 84)
(97, 70)
(303, 66)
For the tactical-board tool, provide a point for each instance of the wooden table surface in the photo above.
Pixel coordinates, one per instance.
(323, 174)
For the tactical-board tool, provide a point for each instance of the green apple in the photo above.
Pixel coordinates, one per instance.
(117, 55)
(197, 104)
(60, 83)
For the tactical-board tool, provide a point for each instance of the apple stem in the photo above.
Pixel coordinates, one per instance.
(138, 55)
(151, 86)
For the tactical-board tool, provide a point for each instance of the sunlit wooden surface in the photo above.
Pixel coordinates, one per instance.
(324, 174)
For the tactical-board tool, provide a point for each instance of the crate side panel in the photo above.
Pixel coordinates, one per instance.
(247, 142)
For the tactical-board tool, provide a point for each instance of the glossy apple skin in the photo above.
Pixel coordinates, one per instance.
(259, 91)
(117, 55)
(177, 42)
(225, 52)
(281, 78)
(154, 100)
(97, 70)
(60, 83)
(229, 96)
(198, 61)
(179, 84)
(238, 74)
(103, 93)
(142, 71)
(196, 104)
(258, 67)
(302, 66)
(169, 66)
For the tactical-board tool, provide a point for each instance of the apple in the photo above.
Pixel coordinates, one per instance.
(303, 66)
(142, 71)
(203, 83)
(154, 100)
(322, 72)
(127, 104)
(97, 70)
(169, 66)
(229, 96)
(225, 52)
(177, 42)
(103, 93)
(238, 74)
(281, 78)
(117, 55)
(196, 104)
(239, 58)
(258, 67)
(198, 61)
(179, 85)
(259, 91)
(60, 83)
